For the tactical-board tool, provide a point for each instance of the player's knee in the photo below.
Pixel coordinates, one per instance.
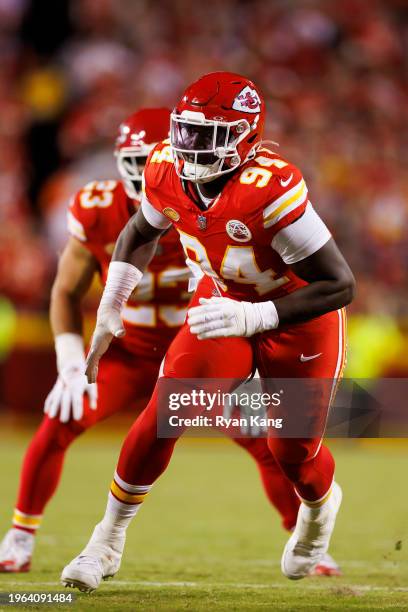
(61, 435)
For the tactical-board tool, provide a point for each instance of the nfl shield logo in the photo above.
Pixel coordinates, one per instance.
(202, 222)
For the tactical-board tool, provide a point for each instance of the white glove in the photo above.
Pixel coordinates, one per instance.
(219, 317)
(247, 427)
(121, 281)
(66, 397)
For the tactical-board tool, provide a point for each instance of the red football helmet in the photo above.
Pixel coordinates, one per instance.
(137, 137)
(217, 126)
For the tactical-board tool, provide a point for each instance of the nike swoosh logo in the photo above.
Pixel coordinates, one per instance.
(309, 357)
(286, 183)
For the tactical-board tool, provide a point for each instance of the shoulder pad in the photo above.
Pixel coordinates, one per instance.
(275, 188)
(92, 203)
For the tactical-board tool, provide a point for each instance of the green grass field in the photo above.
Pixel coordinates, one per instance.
(207, 538)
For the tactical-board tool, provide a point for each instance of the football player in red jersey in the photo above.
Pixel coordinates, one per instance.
(152, 317)
(246, 224)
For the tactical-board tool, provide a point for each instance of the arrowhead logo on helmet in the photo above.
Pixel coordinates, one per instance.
(247, 101)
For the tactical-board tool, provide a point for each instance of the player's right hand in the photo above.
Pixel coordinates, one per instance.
(67, 395)
(108, 325)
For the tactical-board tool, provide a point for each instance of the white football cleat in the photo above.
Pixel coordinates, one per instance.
(326, 567)
(99, 561)
(310, 539)
(16, 551)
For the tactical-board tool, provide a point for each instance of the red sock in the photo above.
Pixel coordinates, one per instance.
(278, 488)
(41, 470)
(32, 530)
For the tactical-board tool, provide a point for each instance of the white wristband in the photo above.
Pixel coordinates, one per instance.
(260, 316)
(121, 281)
(268, 314)
(69, 349)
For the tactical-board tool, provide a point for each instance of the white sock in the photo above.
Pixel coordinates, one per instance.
(317, 509)
(120, 508)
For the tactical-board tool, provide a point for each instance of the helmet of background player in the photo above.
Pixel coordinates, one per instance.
(217, 126)
(137, 137)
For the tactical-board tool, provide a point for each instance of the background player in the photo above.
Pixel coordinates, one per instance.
(152, 316)
(224, 189)
(128, 373)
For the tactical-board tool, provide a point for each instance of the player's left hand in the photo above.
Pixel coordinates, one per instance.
(219, 317)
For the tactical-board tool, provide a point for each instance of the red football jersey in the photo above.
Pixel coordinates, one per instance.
(231, 240)
(157, 308)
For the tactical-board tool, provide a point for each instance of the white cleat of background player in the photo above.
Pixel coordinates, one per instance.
(310, 539)
(16, 550)
(327, 567)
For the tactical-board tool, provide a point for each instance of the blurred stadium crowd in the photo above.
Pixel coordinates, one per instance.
(335, 76)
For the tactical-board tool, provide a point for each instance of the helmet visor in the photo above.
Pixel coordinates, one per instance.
(205, 148)
(210, 140)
